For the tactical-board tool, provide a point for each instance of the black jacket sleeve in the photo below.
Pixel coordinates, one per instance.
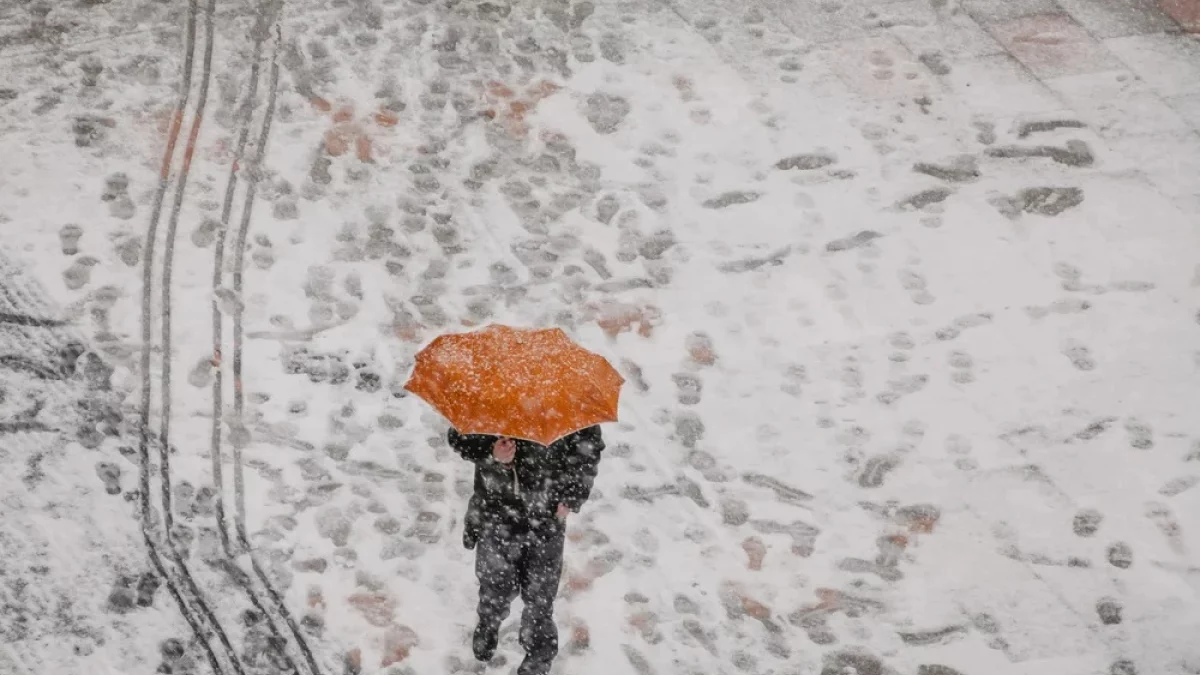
(580, 463)
(471, 447)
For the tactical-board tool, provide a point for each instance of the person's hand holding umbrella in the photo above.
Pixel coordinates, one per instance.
(504, 450)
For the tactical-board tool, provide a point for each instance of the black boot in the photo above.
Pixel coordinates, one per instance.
(483, 643)
(536, 664)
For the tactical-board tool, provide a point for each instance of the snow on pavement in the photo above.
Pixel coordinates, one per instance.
(903, 293)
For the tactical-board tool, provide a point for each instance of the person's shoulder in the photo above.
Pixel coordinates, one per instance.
(582, 434)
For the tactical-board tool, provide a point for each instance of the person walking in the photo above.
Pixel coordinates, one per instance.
(516, 523)
(524, 405)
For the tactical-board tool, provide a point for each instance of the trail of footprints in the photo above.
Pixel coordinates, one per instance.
(531, 191)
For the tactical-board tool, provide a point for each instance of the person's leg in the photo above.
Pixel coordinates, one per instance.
(540, 570)
(496, 556)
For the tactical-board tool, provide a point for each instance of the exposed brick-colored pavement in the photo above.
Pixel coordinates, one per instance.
(1186, 12)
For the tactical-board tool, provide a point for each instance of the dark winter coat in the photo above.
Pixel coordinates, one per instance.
(523, 496)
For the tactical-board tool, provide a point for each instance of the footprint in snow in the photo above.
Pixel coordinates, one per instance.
(689, 388)
(816, 627)
(876, 469)
(182, 537)
(937, 669)
(903, 343)
(855, 660)
(1063, 306)
(732, 198)
(1177, 486)
(902, 387)
(1079, 355)
(184, 499)
(858, 240)
(963, 367)
(110, 475)
(1120, 555)
(960, 446)
(1109, 610)
(707, 465)
(176, 658)
(1075, 153)
(933, 637)
(1087, 522)
(334, 525)
(1164, 519)
(1122, 667)
(860, 566)
(803, 535)
(263, 257)
(1045, 201)
(916, 286)
(606, 112)
(1141, 435)
(805, 162)
(122, 599)
(639, 663)
(1132, 286)
(960, 324)
(925, 198)
(205, 502)
(79, 274)
(960, 169)
(1067, 272)
(68, 238)
(1096, 429)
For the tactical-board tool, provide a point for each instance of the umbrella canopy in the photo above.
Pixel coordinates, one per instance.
(522, 383)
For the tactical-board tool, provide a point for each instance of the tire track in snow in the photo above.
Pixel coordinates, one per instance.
(229, 565)
(192, 601)
(239, 265)
(242, 540)
(246, 114)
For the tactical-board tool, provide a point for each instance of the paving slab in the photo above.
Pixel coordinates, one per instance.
(1118, 104)
(1053, 45)
(1185, 12)
(998, 11)
(999, 86)
(1170, 161)
(1119, 18)
(923, 31)
(881, 68)
(822, 22)
(1188, 107)
(1169, 63)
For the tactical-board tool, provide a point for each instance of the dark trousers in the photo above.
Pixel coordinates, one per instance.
(528, 564)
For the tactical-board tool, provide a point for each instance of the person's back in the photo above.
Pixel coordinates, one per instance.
(516, 521)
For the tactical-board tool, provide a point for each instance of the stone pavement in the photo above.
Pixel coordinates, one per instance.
(1129, 69)
(919, 78)
(1119, 77)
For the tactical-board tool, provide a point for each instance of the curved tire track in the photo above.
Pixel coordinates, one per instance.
(246, 114)
(261, 33)
(238, 338)
(191, 602)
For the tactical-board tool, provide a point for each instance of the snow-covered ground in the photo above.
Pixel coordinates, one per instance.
(907, 296)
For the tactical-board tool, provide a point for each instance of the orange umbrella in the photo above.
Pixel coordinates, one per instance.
(522, 383)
